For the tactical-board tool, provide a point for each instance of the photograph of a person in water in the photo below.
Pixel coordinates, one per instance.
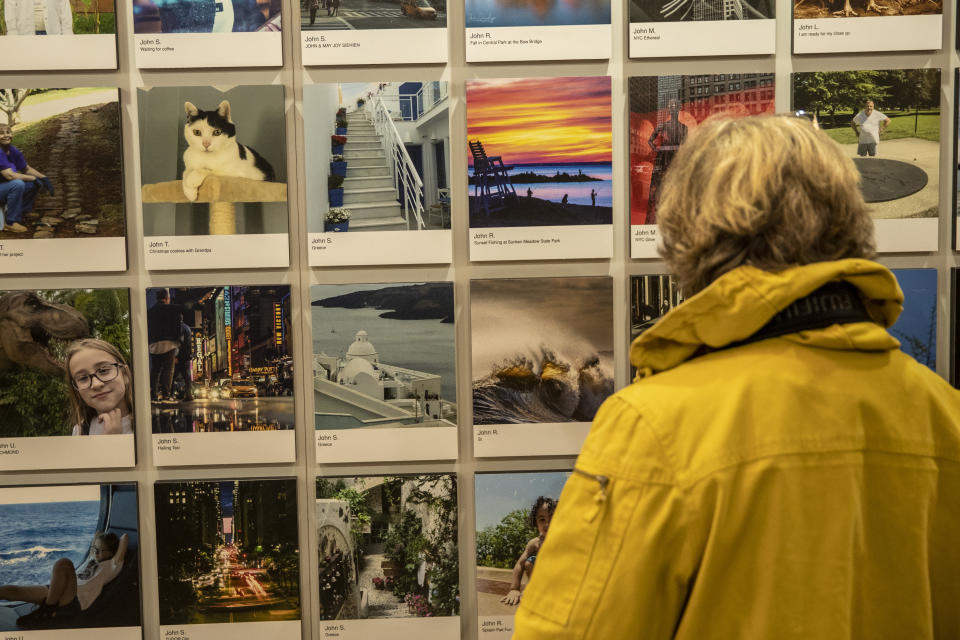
(889, 122)
(514, 511)
(383, 355)
(665, 110)
(68, 557)
(540, 152)
(542, 349)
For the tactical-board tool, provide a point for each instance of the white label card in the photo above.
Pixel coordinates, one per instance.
(280, 630)
(96, 633)
(381, 247)
(52, 255)
(207, 50)
(541, 243)
(374, 46)
(563, 42)
(239, 251)
(643, 240)
(446, 628)
(67, 452)
(59, 53)
(706, 38)
(896, 235)
(495, 626)
(880, 33)
(385, 444)
(227, 447)
(540, 439)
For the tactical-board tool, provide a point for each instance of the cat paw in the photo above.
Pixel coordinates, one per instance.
(190, 192)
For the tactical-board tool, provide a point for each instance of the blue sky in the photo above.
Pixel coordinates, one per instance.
(497, 494)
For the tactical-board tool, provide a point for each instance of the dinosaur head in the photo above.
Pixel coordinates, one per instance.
(28, 323)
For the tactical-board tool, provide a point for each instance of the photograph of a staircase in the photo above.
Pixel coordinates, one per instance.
(390, 143)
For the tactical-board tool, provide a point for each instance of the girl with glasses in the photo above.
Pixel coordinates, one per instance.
(101, 395)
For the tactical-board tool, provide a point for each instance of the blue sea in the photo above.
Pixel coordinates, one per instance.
(34, 536)
(523, 13)
(577, 192)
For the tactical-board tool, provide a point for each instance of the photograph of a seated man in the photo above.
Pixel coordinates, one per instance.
(540, 515)
(71, 590)
(20, 182)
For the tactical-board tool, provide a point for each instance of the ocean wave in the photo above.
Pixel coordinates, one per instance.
(544, 388)
(32, 554)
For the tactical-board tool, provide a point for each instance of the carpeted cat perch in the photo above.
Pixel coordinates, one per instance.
(222, 193)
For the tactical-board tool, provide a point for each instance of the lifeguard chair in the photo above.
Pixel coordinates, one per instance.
(491, 182)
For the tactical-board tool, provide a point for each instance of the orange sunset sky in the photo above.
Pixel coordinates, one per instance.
(541, 120)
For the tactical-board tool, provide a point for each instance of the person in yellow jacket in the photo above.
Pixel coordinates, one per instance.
(779, 469)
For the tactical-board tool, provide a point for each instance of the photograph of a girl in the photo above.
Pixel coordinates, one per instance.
(64, 363)
(101, 396)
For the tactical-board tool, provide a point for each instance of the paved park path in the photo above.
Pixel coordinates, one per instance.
(921, 153)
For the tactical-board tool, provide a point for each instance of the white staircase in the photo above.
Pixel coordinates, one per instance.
(368, 190)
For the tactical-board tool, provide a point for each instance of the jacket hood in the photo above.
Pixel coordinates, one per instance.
(738, 303)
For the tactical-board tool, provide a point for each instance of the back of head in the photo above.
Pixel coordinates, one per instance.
(768, 191)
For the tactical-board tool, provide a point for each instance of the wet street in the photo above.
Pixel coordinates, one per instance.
(245, 594)
(231, 414)
(367, 14)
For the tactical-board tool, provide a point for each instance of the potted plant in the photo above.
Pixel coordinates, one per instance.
(360, 103)
(338, 166)
(336, 143)
(335, 190)
(338, 219)
(378, 584)
(341, 125)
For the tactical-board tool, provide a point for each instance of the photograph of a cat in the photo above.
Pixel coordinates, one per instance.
(212, 149)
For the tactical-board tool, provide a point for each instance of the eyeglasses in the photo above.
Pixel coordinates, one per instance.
(104, 373)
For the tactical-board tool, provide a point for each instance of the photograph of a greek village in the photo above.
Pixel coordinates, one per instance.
(378, 156)
(384, 355)
(71, 138)
(387, 547)
(889, 123)
(227, 551)
(540, 152)
(514, 511)
(664, 110)
(221, 358)
(542, 349)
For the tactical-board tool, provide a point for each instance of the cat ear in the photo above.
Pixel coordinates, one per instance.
(224, 110)
(190, 109)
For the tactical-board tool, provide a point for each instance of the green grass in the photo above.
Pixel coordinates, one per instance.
(86, 23)
(57, 94)
(901, 126)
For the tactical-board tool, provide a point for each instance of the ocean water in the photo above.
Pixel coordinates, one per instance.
(34, 536)
(424, 345)
(577, 192)
(522, 13)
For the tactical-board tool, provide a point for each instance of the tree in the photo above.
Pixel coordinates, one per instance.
(501, 545)
(10, 102)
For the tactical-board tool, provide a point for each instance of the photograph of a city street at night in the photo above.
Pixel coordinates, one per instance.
(221, 359)
(227, 551)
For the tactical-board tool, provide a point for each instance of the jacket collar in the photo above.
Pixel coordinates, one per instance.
(737, 304)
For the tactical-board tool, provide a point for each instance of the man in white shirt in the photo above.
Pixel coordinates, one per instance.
(868, 125)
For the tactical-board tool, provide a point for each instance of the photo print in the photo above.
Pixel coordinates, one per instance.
(61, 180)
(65, 370)
(387, 550)
(84, 34)
(522, 30)
(651, 298)
(542, 354)
(701, 27)
(889, 123)
(213, 174)
(55, 537)
(916, 327)
(377, 163)
(373, 31)
(384, 371)
(664, 110)
(867, 25)
(513, 512)
(197, 16)
(540, 172)
(228, 553)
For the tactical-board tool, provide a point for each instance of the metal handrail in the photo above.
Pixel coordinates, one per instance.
(401, 166)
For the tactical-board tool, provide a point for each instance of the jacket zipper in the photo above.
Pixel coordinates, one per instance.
(601, 480)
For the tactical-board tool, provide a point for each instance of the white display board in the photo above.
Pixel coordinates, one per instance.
(541, 243)
(205, 50)
(55, 255)
(216, 252)
(67, 452)
(874, 33)
(374, 46)
(60, 52)
(236, 447)
(706, 38)
(560, 42)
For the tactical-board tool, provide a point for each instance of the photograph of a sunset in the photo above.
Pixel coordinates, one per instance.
(540, 151)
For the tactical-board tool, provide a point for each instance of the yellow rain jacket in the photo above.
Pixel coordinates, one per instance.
(806, 486)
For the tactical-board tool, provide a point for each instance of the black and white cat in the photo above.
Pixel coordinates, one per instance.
(212, 149)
